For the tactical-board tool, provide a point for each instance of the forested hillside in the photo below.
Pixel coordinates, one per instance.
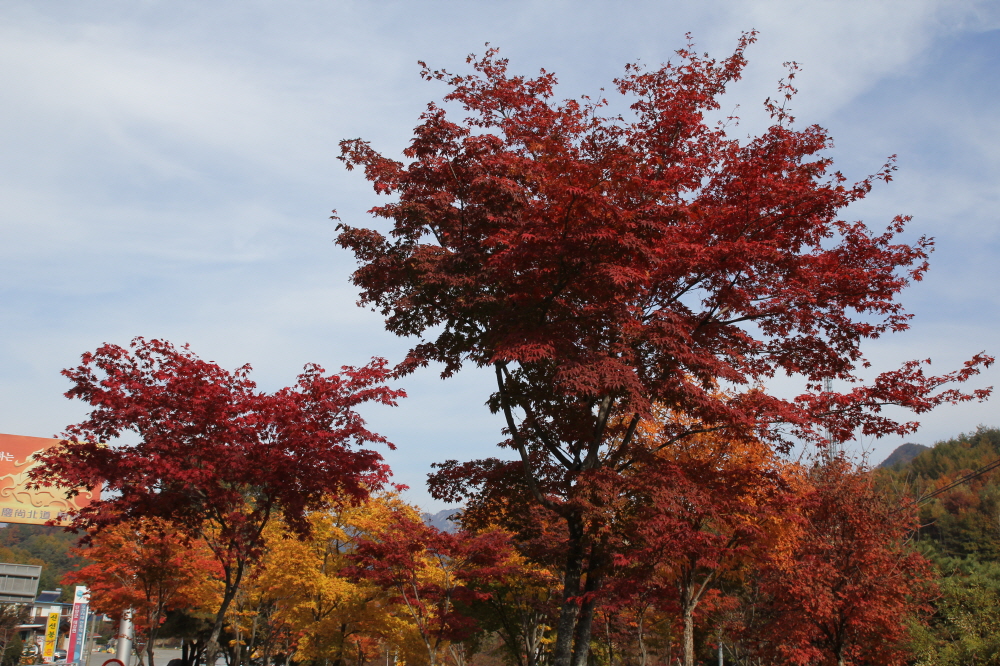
(960, 533)
(963, 521)
(41, 545)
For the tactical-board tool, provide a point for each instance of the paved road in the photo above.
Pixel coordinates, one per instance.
(160, 657)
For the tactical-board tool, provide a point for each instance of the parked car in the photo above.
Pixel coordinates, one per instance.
(59, 655)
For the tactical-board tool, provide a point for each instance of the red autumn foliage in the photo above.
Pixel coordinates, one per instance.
(844, 594)
(435, 575)
(211, 453)
(700, 517)
(604, 263)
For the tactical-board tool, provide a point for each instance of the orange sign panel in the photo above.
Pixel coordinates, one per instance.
(20, 505)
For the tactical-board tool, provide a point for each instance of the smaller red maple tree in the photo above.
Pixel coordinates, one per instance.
(697, 518)
(212, 454)
(434, 575)
(844, 594)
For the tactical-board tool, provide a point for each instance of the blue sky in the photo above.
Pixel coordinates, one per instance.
(168, 170)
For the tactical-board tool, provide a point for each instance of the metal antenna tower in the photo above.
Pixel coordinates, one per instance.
(833, 448)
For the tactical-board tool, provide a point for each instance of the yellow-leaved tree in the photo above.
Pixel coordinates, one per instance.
(301, 600)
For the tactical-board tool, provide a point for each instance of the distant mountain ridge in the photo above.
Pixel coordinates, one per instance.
(903, 454)
(442, 519)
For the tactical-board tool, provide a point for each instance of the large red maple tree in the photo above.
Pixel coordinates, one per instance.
(601, 263)
(174, 437)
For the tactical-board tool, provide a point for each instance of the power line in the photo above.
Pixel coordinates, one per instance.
(957, 482)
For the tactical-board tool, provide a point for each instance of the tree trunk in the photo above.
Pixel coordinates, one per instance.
(253, 634)
(585, 620)
(457, 654)
(431, 649)
(643, 653)
(689, 636)
(238, 647)
(530, 636)
(570, 610)
(212, 648)
(232, 585)
(154, 628)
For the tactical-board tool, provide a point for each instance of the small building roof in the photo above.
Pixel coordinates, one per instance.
(48, 597)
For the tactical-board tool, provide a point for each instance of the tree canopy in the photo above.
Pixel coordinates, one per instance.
(607, 265)
(215, 456)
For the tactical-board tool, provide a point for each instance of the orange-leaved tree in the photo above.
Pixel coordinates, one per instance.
(146, 568)
(699, 513)
(435, 575)
(301, 592)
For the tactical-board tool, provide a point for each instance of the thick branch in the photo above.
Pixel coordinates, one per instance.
(519, 441)
(542, 435)
(607, 402)
(673, 440)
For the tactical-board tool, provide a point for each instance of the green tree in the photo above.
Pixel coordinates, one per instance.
(965, 630)
(964, 520)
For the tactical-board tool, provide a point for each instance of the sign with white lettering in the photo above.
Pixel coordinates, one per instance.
(78, 625)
